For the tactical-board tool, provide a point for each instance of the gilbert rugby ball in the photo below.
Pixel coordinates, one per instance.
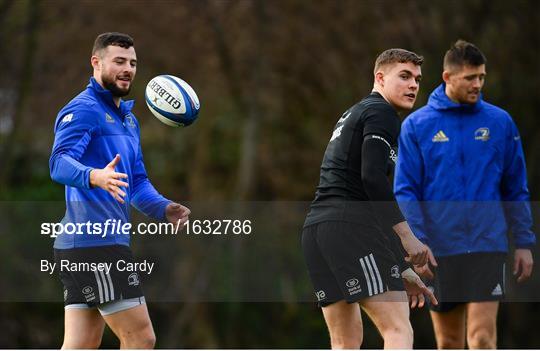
(172, 100)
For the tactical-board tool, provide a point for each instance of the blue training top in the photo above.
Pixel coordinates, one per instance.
(89, 131)
(466, 165)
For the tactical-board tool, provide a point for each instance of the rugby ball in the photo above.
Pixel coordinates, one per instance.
(172, 100)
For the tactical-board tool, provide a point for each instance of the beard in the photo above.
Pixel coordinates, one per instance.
(115, 90)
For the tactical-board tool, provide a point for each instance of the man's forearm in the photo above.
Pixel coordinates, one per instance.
(68, 171)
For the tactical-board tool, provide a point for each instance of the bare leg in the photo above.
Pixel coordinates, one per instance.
(482, 325)
(390, 314)
(449, 328)
(133, 327)
(83, 328)
(344, 323)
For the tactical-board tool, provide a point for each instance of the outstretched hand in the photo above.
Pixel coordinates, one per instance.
(109, 180)
(416, 289)
(177, 214)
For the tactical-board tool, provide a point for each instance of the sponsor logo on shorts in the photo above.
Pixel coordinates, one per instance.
(394, 272)
(88, 293)
(321, 295)
(353, 286)
(497, 291)
(65, 294)
(133, 279)
(352, 282)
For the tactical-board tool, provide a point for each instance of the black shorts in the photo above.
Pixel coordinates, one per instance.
(473, 277)
(348, 262)
(96, 275)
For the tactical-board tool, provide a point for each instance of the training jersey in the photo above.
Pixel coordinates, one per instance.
(89, 131)
(362, 151)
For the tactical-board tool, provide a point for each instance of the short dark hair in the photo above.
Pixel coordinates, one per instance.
(463, 53)
(112, 38)
(397, 56)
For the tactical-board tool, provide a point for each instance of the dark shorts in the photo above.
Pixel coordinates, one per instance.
(348, 262)
(87, 281)
(473, 277)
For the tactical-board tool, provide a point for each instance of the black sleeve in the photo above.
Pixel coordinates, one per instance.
(375, 154)
(381, 119)
(381, 130)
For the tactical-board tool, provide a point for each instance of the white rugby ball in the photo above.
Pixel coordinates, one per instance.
(172, 100)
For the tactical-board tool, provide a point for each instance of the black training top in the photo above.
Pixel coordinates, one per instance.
(354, 184)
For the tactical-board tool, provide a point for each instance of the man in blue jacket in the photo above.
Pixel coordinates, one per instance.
(461, 182)
(97, 156)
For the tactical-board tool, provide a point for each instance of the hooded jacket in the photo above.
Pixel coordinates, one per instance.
(461, 179)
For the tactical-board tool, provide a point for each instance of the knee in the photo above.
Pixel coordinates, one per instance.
(450, 342)
(482, 339)
(145, 339)
(399, 331)
(347, 339)
(148, 341)
(346, 343)
(87, 343)
(340, 342)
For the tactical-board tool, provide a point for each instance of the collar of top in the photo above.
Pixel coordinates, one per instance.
(440, 101)
(107, 97)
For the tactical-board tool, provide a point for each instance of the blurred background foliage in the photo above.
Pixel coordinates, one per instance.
(272, 77)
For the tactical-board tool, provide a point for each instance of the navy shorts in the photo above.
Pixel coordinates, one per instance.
(474, 277)
(349, 262)
(87, 282)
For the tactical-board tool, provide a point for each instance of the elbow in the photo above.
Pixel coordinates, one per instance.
(53, 169)
(372, 188)
(370, 179)
(376, 186)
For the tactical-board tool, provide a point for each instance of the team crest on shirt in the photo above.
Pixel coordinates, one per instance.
(129, 121)
(482, 134)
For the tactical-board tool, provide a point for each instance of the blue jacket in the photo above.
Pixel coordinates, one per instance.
(465, 165)
(89, 131)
